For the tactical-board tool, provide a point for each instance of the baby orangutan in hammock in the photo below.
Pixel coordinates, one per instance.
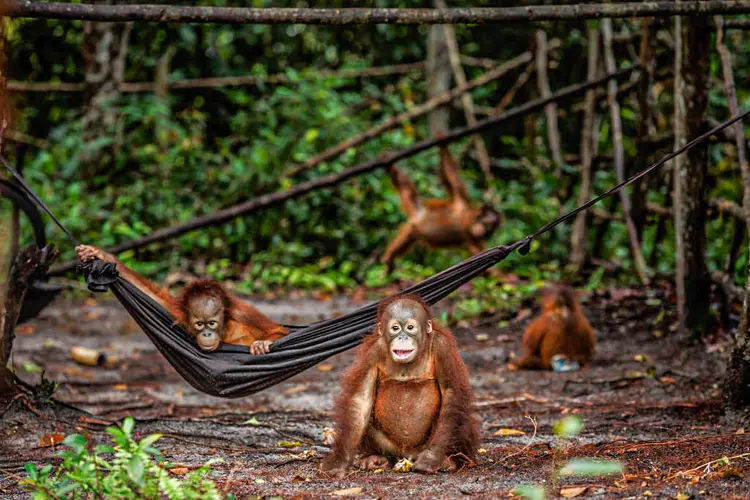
(436, 222)
(407, 395)
(210, 313)
(561, 331)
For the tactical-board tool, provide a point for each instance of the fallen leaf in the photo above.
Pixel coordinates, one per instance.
(683, 496)
(573, 491)
(300, 479)
(252, 421)
(648, 493)
(259, 481)
(26, 329)
(288, 444)
(50, 440)
(89, 420)
(325, 367)
(347, 492)
(481, 451)
(296, 389)
(179, 471)
(120, 387)
(667, 380)
(481, 337)
(741, 430)
(509, 432)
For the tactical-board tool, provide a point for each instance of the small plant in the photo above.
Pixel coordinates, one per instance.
(136, 470)
(565, 428)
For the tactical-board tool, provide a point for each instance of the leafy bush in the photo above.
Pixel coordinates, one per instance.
(136, 470)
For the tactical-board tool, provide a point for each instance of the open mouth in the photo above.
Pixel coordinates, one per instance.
(402, 353)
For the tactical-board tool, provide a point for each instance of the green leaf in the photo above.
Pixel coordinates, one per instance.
(127, 426)
(591, 467)
(568, 426)
(252, 421)
(149, 440)
(32, 471)
(30, 367)
(530, 492)
(136, 468)
(75, 441)
(312, 134)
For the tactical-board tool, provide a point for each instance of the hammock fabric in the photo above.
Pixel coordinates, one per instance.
(231, 371)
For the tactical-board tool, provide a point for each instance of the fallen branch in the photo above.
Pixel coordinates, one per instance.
(330, 180)
(493, 15)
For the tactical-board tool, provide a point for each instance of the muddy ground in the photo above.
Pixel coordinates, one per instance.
(648, 400)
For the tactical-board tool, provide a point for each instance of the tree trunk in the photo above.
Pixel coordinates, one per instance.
(693, 282)
(737, 378)
(32, 263)
(645, 129)
(103, 51)
(467, 102)
(438, 78)
(550, 111)
(619, 152)
(578, 240)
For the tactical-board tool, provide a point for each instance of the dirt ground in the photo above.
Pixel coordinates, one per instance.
(648, 400)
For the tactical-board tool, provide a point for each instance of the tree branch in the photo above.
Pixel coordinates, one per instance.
(415, 112)
(221, 81)
(237, 15)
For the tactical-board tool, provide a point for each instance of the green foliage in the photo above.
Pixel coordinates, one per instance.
(136, 470)
(202, 150)
(591, 467)
(530, 492)
(568, 426)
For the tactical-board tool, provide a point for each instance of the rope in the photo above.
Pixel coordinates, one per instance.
(38, 200)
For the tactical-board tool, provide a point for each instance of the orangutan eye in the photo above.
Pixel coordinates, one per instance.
(199, 324)
(410, 327)
(212, 323)
(395, 328)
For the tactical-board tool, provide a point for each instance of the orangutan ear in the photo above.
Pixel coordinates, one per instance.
(380, 332)
(429, 326)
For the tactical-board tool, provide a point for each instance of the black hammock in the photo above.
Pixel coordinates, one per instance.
(232, 372)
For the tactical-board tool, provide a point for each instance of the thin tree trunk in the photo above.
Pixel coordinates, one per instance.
(645, 129)
(693, 282)
(578, 240)
(550, 111)
(619, 153)
(30, 264)
(438, 78)
(103, 75)
(468, 103)
(737, 381)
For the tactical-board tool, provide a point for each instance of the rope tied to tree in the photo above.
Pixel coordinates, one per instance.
(232, 372)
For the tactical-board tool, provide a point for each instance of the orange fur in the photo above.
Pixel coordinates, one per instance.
(562, 328)
(438, 222)
(421, 410)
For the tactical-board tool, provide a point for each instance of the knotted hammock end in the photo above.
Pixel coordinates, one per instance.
(99, 275)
